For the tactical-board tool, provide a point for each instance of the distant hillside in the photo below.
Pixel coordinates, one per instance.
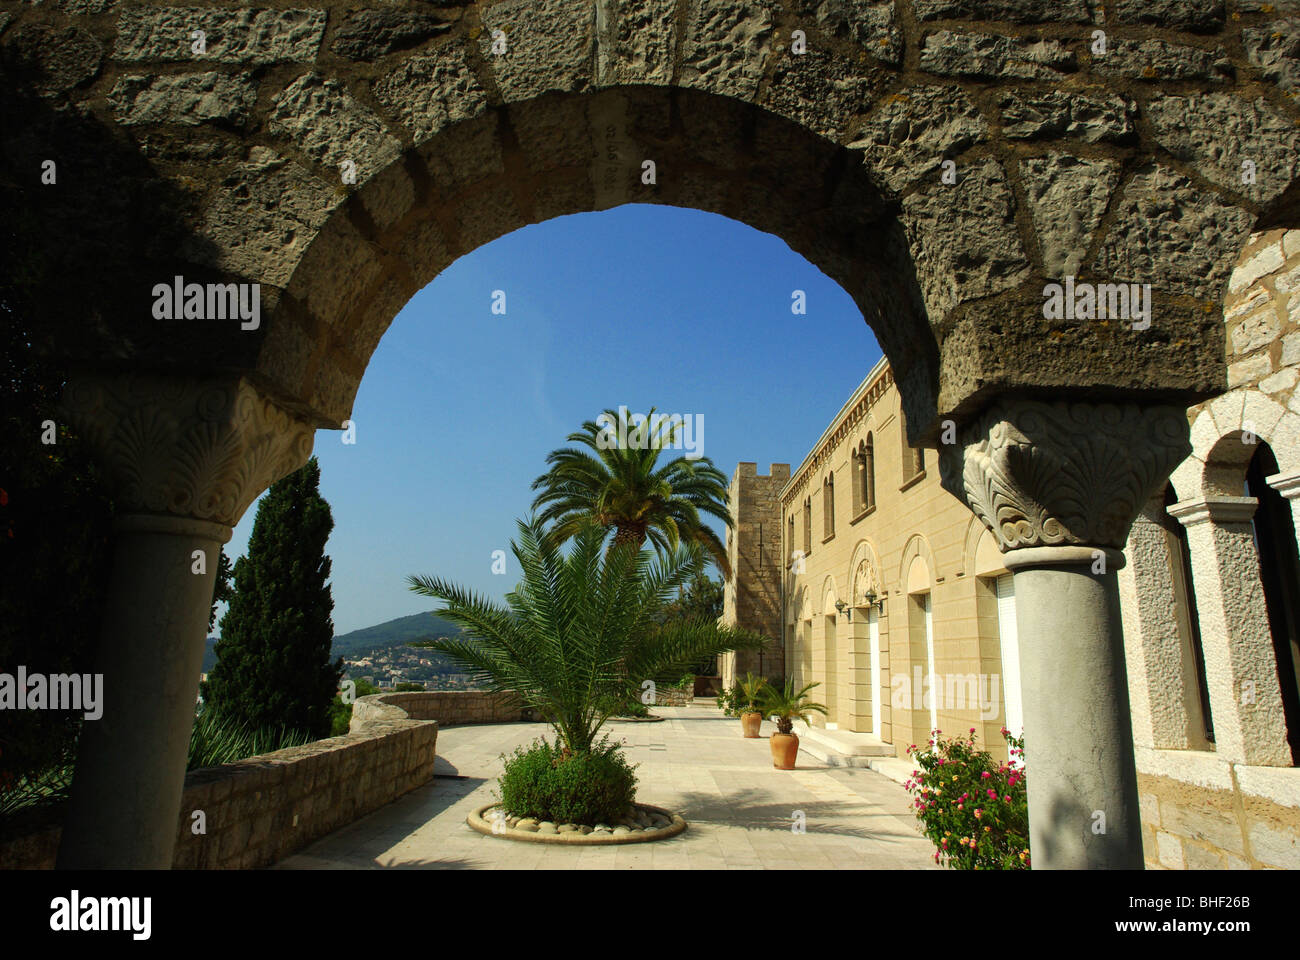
(393, 633)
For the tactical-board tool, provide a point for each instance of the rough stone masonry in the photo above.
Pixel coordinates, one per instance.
(341, 157)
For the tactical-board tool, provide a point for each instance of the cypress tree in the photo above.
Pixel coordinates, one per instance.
(273, 659)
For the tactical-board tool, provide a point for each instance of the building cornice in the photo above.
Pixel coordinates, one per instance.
(869, 391)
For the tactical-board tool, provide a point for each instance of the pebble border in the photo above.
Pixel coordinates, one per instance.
(480, 823)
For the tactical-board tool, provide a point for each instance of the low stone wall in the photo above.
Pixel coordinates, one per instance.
(260, 810)
(673, 697)
(445, 706)
(1199, 813)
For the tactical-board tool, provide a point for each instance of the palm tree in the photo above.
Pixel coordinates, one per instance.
(789, 705)
(572, 640)
(625, 486)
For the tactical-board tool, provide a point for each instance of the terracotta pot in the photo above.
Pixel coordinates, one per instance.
(785, 748)
(750, 723)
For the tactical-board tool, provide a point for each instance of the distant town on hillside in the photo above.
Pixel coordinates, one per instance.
(381, 654)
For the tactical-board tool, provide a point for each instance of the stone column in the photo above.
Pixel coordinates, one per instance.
(1288, 484)
(1162, 674)
(1240, 666)
(1059, 485)
(186, 458)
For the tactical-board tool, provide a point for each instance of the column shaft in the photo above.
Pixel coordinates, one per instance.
(1083, 800)
(131, 763)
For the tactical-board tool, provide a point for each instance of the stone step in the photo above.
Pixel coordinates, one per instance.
(829, 755)
(847, 742)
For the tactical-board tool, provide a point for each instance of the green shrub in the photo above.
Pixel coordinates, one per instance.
(634, 708)
(546, 783)
(213, 741)
(976, 811)
(216, 740)
(736, 700)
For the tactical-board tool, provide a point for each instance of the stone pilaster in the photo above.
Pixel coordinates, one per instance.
(1240, 666)
(1288, 484)
(1059, 485)
(186, 458)
(1161, 669)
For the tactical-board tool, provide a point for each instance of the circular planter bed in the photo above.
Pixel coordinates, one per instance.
(662, 825)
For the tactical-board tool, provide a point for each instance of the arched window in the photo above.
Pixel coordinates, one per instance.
(828, 507)
(1279, 573)
(807, 526)
(913, 458)
(869, 473)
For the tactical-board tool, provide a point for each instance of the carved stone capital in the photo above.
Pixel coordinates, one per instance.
(1063, 474)
(195, 448)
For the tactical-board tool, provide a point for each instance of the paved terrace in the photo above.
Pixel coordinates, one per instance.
(695, 762)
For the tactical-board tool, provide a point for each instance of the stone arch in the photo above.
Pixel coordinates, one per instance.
(841, 151)
(980, 554)
(1222, 444)
(228, 170)
(829, 595)
(864, 572)
(916, 547)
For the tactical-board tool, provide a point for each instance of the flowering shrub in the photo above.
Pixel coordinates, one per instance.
(975, 811)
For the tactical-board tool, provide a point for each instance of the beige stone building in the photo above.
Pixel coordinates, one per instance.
(885, 590)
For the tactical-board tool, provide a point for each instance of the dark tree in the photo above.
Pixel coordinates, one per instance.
(273, 659)
(55, 527)
(221, 590)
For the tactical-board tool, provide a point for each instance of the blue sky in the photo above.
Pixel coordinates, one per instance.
(642, 305)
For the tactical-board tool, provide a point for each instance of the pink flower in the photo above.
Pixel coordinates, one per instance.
(978, 813)
(985, 775)
(993, 794)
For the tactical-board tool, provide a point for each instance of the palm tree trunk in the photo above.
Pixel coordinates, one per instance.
(633, 534)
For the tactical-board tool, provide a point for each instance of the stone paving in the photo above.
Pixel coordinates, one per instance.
(696, 762)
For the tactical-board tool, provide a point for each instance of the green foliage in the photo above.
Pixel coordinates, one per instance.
(56, 519)
(273, 659)
(745, 695)
(340, 717)
(221, 590)
(217, 739)
(364, 689)
(39, 788)
(975, 811)
(788, 705)
(341, 713)
(634, 708)
(625, 487)
(213, 740)
(573, 640)
(548, 782)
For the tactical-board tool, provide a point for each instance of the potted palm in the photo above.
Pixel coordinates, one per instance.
(574, 641)
(751, 717)
(785, 705)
